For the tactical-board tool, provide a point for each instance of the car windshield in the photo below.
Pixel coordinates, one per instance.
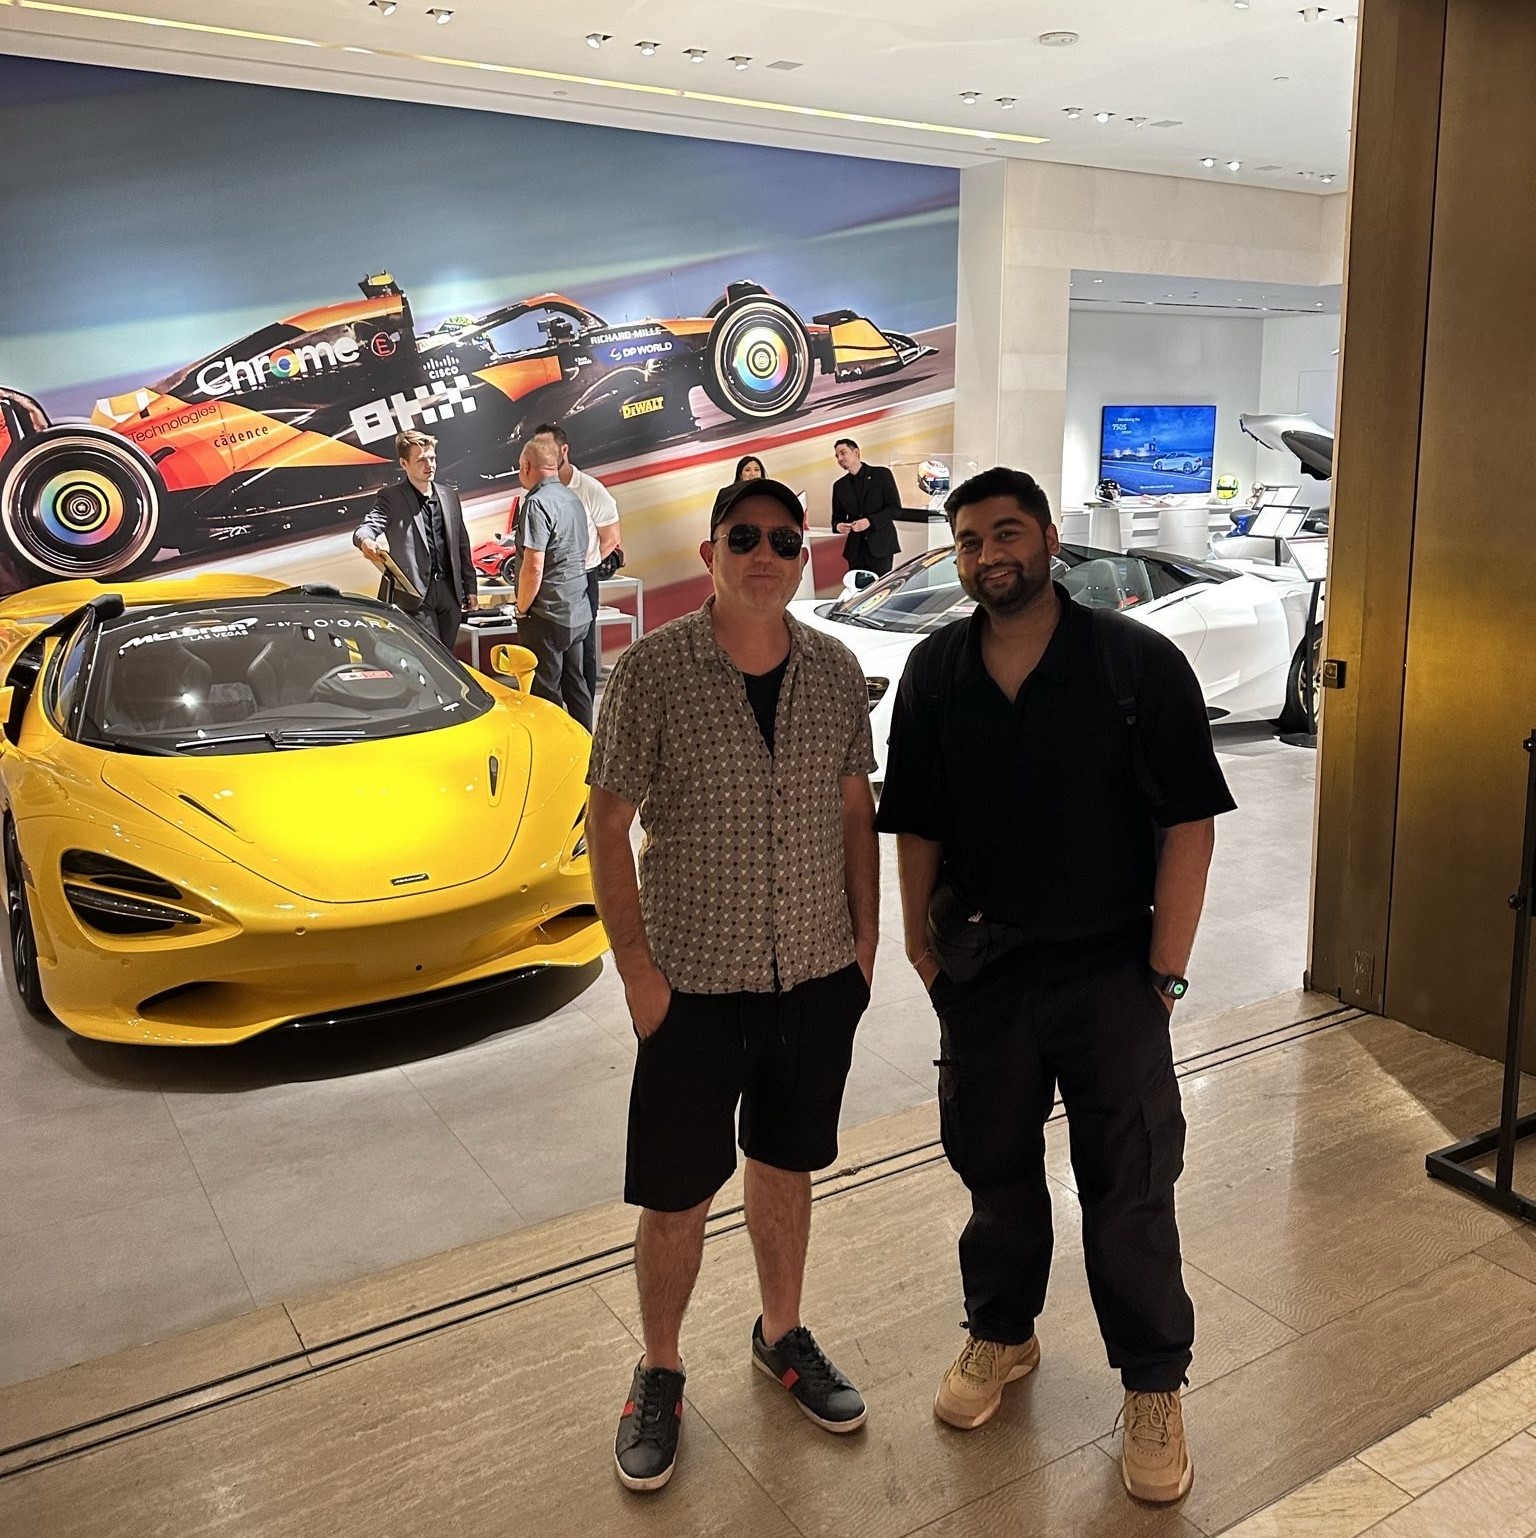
(926, 594)
(291, 671)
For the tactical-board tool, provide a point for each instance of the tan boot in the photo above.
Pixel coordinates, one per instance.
(1154, 1459)
(973, 1388)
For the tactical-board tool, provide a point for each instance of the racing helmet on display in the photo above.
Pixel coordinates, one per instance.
(1108, 491)
(932, 477)
(1227, 487)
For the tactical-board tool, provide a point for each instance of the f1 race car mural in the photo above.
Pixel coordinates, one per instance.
(290, 426)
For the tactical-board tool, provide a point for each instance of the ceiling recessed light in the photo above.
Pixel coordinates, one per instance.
(1073, 112)
(1310, 13)
(741, 60)
(440, 16)
(1318, 305)
(695, 55)
(1239, 5)
(597, 39)
(970, 98)
(647, 48)
(1005, 102)
(1327, 176)
(1058, 39)
(1207, 161)
(1137, 122)
(1102, 117)
(1282, 79)
(1234, 165)
(1098, 280)
(385, 7)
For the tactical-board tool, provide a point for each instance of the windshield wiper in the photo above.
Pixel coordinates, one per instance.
(316, 737)
(128, 745)
(192, 744)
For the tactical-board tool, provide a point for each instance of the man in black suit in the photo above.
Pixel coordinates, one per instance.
(421, 524)
(865, 503)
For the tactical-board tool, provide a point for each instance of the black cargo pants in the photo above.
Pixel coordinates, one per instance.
(1101, 1033)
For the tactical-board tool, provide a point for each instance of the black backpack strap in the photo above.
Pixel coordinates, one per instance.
(1118, 660)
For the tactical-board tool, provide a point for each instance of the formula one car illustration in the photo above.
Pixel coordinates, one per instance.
(200, 792)
(291, 426)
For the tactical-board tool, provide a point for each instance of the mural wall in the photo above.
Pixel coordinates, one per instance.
(220, 302)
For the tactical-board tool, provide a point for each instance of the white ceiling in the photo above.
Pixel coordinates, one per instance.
(1141, 294)
(1259, 85)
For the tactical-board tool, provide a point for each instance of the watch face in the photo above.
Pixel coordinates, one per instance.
(1176, 988)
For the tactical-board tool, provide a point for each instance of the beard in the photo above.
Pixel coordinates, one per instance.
(1007, 587)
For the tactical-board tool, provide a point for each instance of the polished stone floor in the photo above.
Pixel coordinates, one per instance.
(1363, 1356)
(151, 1192)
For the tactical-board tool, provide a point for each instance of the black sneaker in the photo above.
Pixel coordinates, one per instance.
(645, 1450)
(820, 1390)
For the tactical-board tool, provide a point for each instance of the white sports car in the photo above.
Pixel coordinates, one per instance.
(1243, 632)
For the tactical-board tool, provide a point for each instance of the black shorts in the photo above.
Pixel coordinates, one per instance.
(784, 1056)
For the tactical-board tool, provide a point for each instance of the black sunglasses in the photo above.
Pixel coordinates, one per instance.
(743, 538)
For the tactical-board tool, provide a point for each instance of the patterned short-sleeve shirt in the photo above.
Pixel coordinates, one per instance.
(742, 884)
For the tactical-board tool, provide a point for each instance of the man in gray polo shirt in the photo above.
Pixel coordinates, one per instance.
(553, 615)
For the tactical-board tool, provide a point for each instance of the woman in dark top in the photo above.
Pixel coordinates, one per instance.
(748, 468)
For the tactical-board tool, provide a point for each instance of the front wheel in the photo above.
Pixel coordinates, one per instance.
(23, 938)
(758, 360)
(79, 502)
(1303, 684)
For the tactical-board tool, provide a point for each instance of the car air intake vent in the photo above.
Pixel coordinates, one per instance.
(103, 870)
(877, 688)
(113, 913)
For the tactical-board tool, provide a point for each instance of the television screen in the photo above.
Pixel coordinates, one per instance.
(1158, 450)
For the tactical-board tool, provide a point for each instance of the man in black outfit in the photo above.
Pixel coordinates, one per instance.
(864, 504)
(423, 524)
(1053, 789)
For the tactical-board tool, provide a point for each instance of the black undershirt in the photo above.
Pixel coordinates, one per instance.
(763, 696)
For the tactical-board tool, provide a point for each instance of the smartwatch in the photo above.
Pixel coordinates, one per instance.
(1169, 986)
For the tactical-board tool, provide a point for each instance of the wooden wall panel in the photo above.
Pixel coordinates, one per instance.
(1470, 695)
(1392, 184)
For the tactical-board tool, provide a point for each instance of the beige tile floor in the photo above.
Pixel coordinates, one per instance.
(148, 1193)
(1467, 1467)
(1388, 1376)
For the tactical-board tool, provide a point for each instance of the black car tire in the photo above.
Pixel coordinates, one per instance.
(758, 364)
(1301, 680)
(70, 483)
(508, 570)
(18, 910)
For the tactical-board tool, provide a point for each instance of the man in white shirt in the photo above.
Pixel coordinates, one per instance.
(602, 536)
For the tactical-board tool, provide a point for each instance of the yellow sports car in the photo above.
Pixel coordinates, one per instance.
(229, 806)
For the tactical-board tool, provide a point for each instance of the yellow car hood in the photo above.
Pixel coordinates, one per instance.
(350, 823)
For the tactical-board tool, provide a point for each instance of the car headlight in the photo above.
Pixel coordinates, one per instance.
(117, 898)
(877, 688)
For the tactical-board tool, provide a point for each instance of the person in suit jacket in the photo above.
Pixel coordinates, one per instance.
(423, 523)
(865, 503)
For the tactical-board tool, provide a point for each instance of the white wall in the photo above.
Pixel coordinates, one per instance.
(1158, 360)
(1237, 365)
(1011, 377)
(1301, 373)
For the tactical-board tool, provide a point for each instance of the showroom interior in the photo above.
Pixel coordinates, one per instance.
(378, 1274)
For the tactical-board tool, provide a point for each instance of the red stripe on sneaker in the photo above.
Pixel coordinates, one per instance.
(679, 1409)
(628, 1410)
(789, 1377)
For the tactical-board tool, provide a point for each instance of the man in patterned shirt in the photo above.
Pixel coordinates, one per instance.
(746, 944)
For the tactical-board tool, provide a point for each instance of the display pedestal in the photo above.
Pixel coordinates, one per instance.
(1185, 531)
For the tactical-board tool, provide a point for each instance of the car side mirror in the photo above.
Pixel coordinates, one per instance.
(515, 662)
(7, 705)
(857, 581)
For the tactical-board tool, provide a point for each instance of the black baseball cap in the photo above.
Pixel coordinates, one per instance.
(739, 493)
